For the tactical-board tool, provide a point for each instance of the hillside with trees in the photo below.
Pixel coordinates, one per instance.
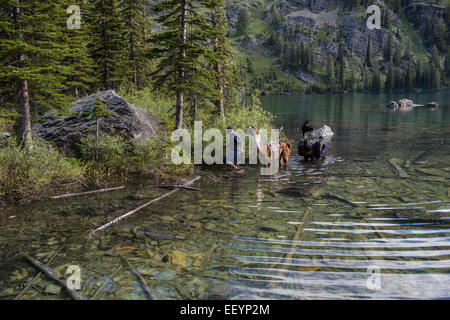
(321, 46)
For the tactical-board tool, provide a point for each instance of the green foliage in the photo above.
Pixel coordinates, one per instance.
(29, 173)
(243, 21)
(120, 160)
(31, 49)
(183, 52)
(100, 109)
(241, 117)
(79, 77)
(159, 105)
(136, 31)
(112, 155)
(107, 44)
(447, 63)
(376, 81)
(331, 80)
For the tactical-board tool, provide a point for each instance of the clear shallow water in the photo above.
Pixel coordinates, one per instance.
(309, 232)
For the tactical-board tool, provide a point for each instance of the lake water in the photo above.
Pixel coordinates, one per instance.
(346, 227)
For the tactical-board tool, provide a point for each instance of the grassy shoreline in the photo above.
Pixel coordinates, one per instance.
(43, 171)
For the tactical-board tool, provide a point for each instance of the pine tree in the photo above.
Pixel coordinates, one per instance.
(341, 67)
(136, 32)
(447, 64)
(440, 34)
(276, 17)
(365, 78)
(368, 61)
(390, 77)
(388, 48)
(222, 59)
(397, 56)
(182, 53)
(398, 81)
(351, 81)
(99, 111)
(107, 44)
(249, 65)
(409, 84)
(435, 69)
(419, 76)
(428, 31)
(243, 22)
(80, 74)
(311, 60)
(331, 80)
(376, 80)
(387, 19)
(435, 77)
(32, 70)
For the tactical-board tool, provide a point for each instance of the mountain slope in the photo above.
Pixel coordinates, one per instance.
(273, 53)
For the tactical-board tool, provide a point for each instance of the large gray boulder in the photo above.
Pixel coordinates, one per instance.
(130, 121)
(324, 131)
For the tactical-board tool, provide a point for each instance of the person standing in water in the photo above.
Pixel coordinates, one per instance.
(319, 148)
(236, 146)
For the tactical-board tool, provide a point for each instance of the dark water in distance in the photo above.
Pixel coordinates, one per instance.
(362, 121)
(313, 231)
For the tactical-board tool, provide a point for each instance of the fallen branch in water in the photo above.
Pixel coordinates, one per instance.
(176, 187)
(111, 276)
(338, 197)
(139, 276)
(398, 170)
(91, 234)
(209, 253)
(68, 195)
(36, 277)
(49, 273)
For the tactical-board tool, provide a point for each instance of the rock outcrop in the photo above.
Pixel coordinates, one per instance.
(392, 105)
(324, 131)
(432, 105)
(404, 104)
(130, 121)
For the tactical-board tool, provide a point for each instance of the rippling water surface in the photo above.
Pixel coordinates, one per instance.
(313, 231)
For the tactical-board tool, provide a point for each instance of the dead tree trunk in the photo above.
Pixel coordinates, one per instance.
(24, 105)
(182, 72)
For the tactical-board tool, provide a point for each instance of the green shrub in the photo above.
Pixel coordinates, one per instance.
(29, 173)
(112, 158)
(241, 117)
(162, 108)
(120, 160)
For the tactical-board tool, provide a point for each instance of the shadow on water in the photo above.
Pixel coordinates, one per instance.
(313, 231)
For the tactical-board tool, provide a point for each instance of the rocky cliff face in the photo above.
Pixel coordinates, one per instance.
(421, 11)
(320, 21)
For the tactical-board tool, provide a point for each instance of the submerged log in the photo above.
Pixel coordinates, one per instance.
(398, 169)
(139, 276)
(68, 195)
(341, 198)
(91, 234)
(176, 187)
(36, 277)
(49, 273)
(112, 275)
